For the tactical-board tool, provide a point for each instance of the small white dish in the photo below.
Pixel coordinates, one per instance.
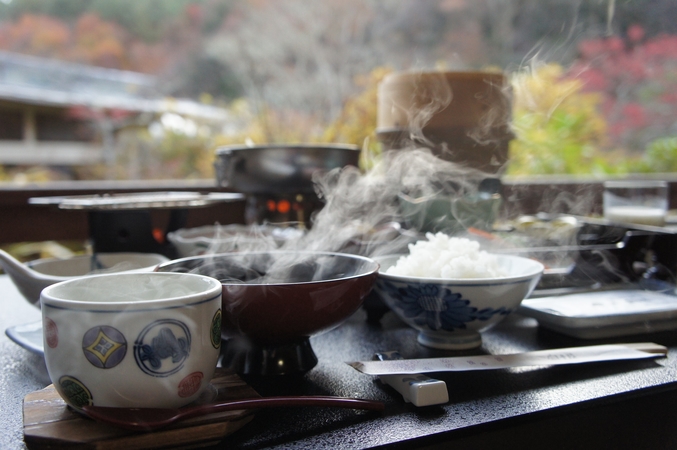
(605, 314)
(28, 336)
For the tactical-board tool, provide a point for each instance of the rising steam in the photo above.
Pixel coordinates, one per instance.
(361, 215)
(412, 188)
(364, 212)
(361, 209)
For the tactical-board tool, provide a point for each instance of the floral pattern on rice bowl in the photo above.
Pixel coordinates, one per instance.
(435, 307)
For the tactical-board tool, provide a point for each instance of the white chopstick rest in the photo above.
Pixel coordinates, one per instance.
(417, 389)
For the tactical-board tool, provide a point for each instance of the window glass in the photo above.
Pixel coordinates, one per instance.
(165, 82)
(11, 125)
(56, 127)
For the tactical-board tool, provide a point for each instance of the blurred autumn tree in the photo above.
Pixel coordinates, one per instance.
(660, 156)
(636, 77)
(146, 19)
(612, 111)
(88, 40)
(357, 122)
(99, 42)
(147, 36)
(37, 35)
(559, 128)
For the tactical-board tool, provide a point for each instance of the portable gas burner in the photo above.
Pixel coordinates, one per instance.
(281, 208)
(123, 222)
(278, 178)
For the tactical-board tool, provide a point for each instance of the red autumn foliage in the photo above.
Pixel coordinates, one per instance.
(90, 40)
(638, 80)
(35, 35)
(114, 115)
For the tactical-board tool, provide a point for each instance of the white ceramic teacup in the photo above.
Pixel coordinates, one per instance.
(132, 339)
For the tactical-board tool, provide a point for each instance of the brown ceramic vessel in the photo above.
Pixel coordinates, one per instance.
(463, 117)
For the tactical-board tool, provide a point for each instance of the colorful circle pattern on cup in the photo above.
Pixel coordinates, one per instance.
(51, 333)
(216, 329)
(190, 384)
(77, 393)
(104, 346)
(162, 347)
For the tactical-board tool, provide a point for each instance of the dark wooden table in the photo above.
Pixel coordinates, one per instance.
(605, 405)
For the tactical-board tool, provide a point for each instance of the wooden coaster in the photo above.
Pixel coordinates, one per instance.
(50, 424)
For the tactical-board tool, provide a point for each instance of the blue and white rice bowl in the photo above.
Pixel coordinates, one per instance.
(450, 313)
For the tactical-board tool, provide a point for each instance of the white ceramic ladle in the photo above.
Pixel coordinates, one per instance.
(31, 278)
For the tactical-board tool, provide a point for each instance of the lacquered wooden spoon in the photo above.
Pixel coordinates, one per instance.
(148, 419)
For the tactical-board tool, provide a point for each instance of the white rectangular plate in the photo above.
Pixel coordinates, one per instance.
(594, 315)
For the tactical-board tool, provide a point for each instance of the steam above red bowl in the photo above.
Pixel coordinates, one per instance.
(274, 301)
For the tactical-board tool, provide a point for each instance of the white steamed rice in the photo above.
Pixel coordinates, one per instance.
(441, 256)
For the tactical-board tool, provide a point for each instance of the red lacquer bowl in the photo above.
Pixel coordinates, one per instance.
(273, 302)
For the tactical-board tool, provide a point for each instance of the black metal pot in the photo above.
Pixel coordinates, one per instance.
(279, 168)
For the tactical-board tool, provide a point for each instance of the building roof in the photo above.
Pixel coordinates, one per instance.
(43, 81)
